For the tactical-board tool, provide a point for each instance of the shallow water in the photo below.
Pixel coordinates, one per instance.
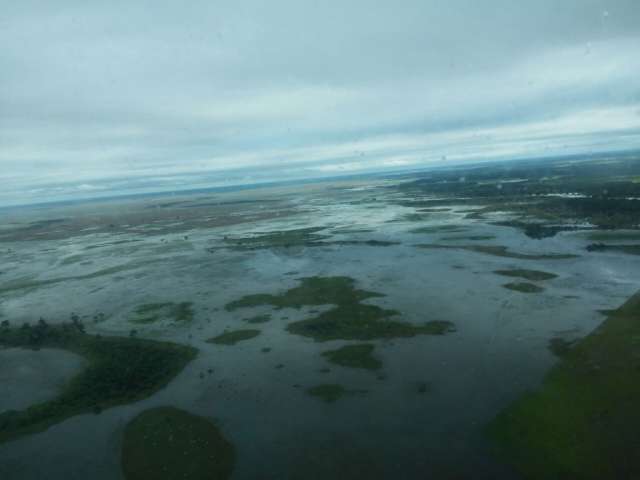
(499, 351)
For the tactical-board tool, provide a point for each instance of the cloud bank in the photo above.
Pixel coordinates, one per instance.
(99, 98)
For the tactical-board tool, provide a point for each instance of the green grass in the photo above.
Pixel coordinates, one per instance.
(165, 442)
(152, 312)
(349, 319)
(233, 337)
(311, 291)
(354, 356)
(523, 287)
(499, 251)
(534, 275)
(119, 371)
(583, 422)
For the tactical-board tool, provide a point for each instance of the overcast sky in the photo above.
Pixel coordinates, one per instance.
(106, 96)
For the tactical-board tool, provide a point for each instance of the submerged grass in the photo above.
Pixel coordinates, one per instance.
(152, 312)
(119, 370)
(233, 337)
(285, 238)
(601, 247)
(349, 319)
(439, 229)
(473, 238)
(523, 287)
(534, 275)
(258, 318)
(166, 442)
(583, 422)
(499, 251)
(328, 392)
(354, 356)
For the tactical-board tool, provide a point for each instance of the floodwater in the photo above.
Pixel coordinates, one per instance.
(117, 256)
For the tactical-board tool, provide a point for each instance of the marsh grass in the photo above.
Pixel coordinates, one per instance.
(166, 442)
(498, 251)
(119, 371)
(583, 422)
(354, 356)
(349, 319)
(234, 336)
(533, 275)
(523, 287)
(152, 312)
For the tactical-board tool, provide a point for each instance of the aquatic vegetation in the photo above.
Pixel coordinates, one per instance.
(152, 312)
(354, 356)
(349, 319)
(71, 259)
(615, 235)
(328, 392)
(424, 387)
(303, 237)
(311, 291)
(365, 243)
(346, 231)
(233, 337)
(469, 238)
(26, 284)
(583, 422)
(535, 230)
(119, 371)
(560, 346)
(166, 442)
(285, 238)
(499, 251)
(258, 318)
(601, 247)
(446, 228)
(534, 275)
(523, 287)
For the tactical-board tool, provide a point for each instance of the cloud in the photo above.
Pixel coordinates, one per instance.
(122, 94)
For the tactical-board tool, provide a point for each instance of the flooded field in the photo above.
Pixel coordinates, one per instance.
(337, 330)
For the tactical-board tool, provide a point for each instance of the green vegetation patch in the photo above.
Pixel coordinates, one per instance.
(285, 238)
(354, 356)
(152, 312)
(583, 422)
(328, 392)
(439, 229)
(166, 442)
(523, 287)
(499, 251)
(119, 371)
(233, 337)
(258, 318)
(534, 275)
(474, 238)
(601, 247)
(349, 319)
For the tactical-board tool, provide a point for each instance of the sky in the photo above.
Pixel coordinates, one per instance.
(98, 98)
